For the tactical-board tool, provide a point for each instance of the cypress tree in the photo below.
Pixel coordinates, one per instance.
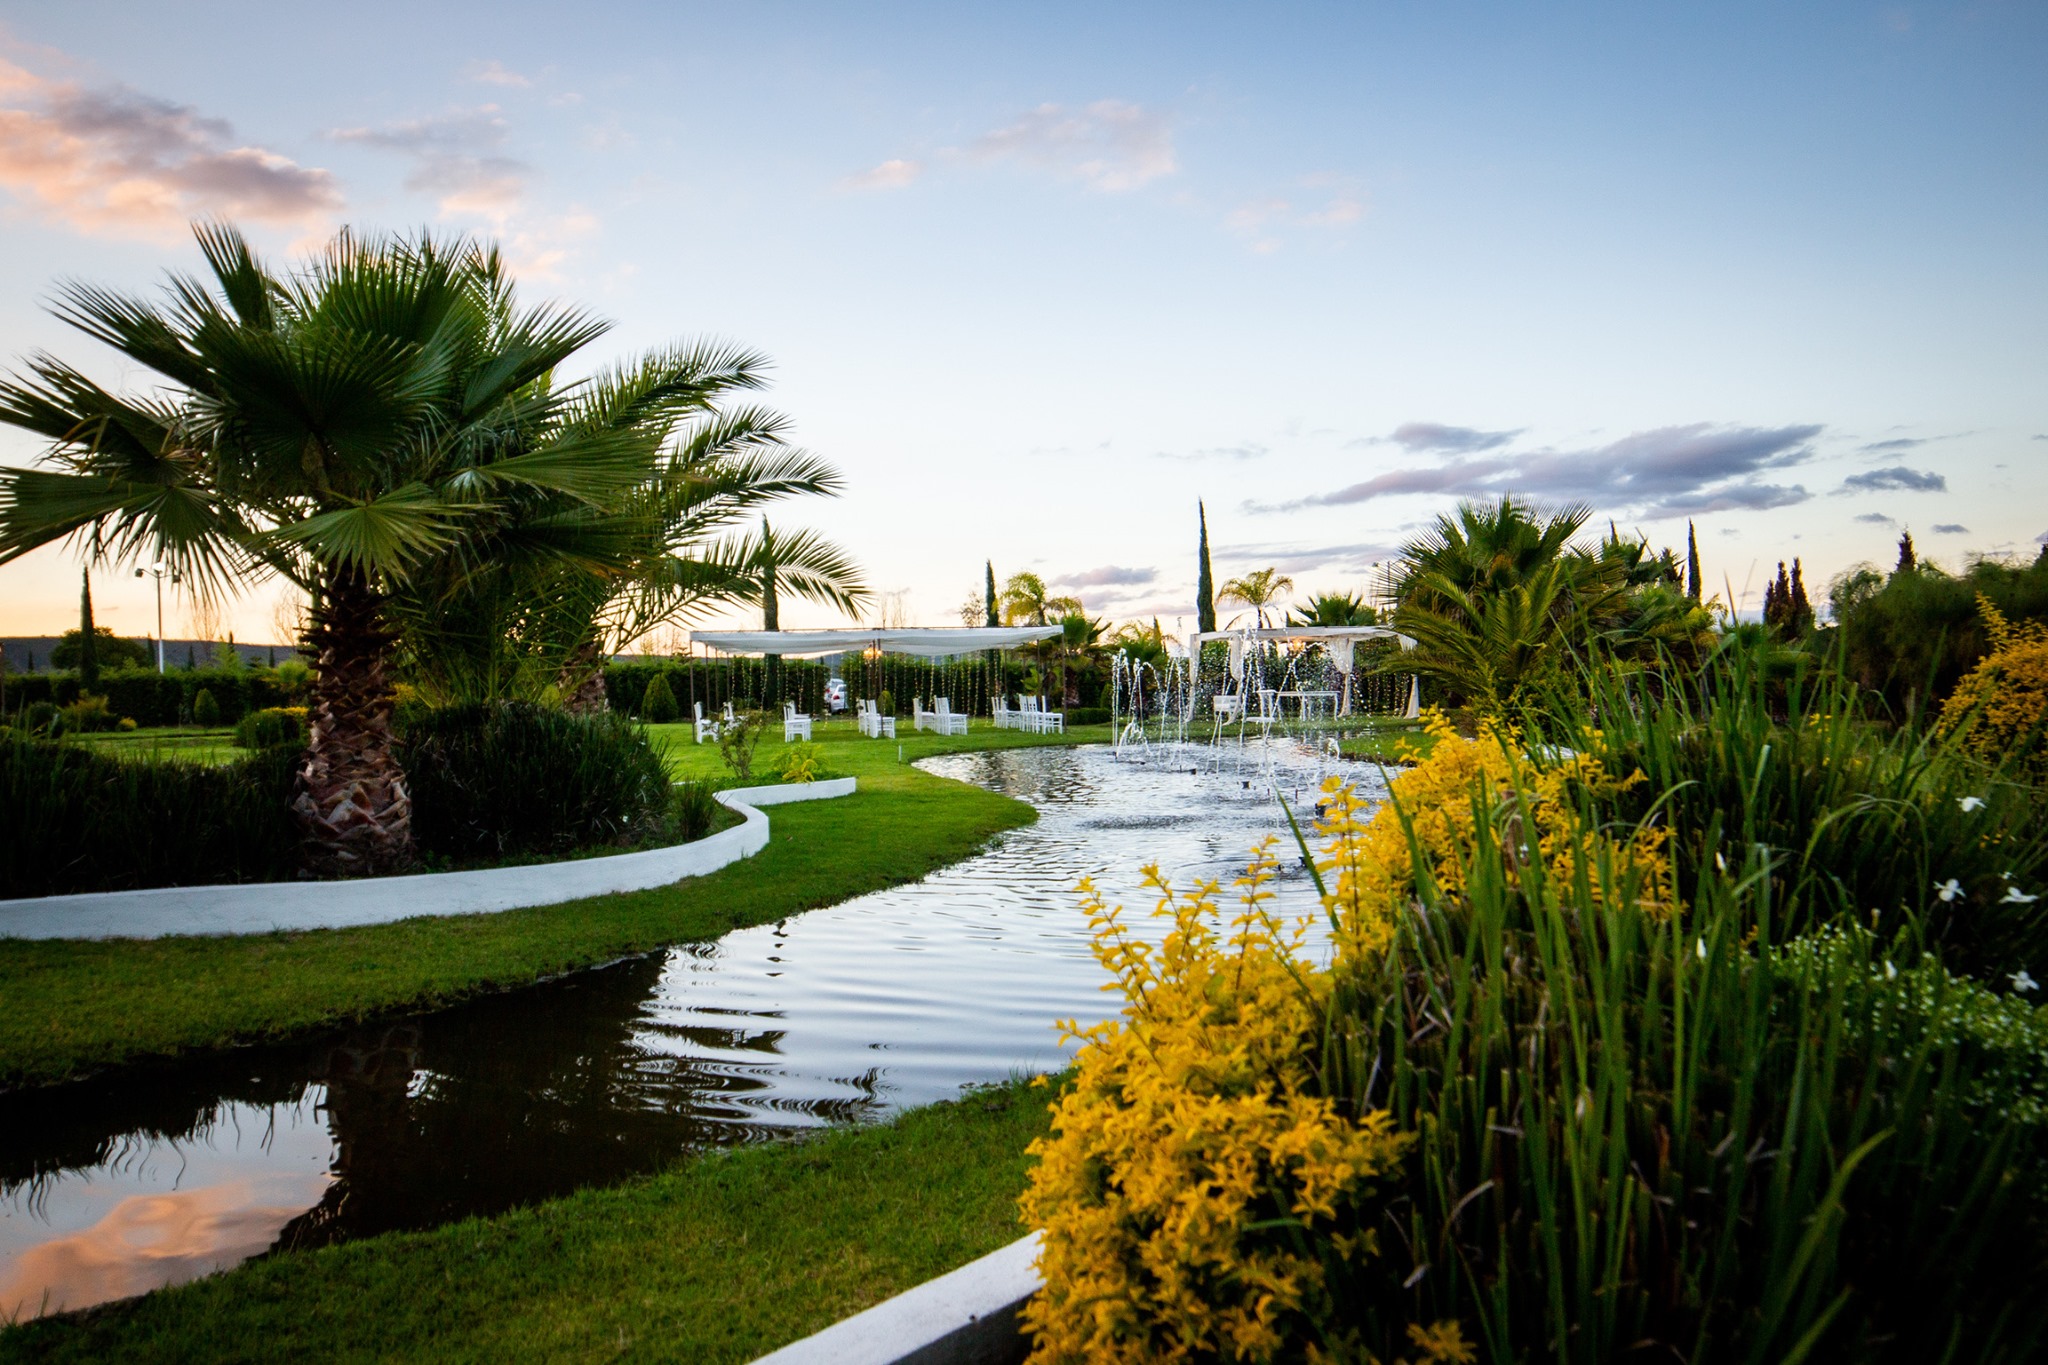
(1205, 582)
(1692, 563)
(994, 619)
(1800, 610)
(1908, 561)
(88, 642)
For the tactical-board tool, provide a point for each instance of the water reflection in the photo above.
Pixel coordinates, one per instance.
(155, 1175)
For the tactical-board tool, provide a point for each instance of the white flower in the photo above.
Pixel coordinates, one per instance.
(2023, 983)
(1948, 890)
(1970, 803)
(1720, 862)
(1703, 950)
(1891, 973)
(2015, 896)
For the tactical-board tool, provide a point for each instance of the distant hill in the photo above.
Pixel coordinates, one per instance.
(19, 649)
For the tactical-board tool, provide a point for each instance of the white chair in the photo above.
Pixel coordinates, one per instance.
(703, 729)
(1006, 719)
(1269, 707)
(728, 718)
(944, 721)
(1228, 706)
(1040, 721)
(794, 725)
(873, 723)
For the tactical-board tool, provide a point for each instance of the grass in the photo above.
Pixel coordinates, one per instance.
(1397, 743)
(67, 1008)
(722, 1258)
(167, 742)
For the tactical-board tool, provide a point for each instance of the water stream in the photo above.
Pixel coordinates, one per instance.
(155, 1175)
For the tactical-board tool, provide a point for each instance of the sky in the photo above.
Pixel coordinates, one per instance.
(1037, 278)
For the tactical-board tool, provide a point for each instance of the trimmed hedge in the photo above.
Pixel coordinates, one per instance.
(83, 821)
(151, 698)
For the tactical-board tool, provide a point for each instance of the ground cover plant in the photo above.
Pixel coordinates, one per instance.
(1610, 1061)
(71, 1007)
(721, 1259)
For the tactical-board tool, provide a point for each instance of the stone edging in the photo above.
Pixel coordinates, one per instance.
(267, 907)
(965, 1317)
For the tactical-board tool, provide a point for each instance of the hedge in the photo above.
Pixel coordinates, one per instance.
(152, 698)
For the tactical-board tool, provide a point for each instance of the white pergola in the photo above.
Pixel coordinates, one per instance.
(929, 642)
(1339, 640)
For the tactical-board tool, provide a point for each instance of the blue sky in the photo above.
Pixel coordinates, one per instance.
(1037, 277)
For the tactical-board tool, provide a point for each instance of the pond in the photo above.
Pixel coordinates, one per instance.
(154, 1175)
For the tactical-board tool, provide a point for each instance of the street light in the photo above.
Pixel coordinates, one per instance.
(158, 572)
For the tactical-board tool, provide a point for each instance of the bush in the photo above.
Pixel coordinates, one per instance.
(2000, 708)
(42, 718)
(737, 739)
(89, 715)
(693, 811)
(274, 727)
(515, 778)
(1540, 1106)
(83, 821)
(205, 710)
(802, 762)
(1088, 715)
(658, 703)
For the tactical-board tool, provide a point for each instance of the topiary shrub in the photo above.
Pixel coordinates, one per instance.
(276, 727)
(658, 703)
(205, 710)
(491, 780)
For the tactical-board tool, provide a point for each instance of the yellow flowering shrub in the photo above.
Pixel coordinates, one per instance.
(2007, 691)
(1198, 1190)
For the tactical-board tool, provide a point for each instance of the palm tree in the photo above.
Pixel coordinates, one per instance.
(1482, 548)
(1027, 602)
(1259, 589)
(365, 423)
(1334, 609)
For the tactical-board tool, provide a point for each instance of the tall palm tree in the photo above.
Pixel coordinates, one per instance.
(1483, 547)
(1334, 609)
(379, 415)
(1026, 601)
(1259, 589)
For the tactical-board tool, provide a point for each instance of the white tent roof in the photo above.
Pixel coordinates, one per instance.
(929, 642)
(1308, 633)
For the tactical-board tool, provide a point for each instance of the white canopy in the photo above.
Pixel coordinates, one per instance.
(929, 642)
(1338, 638)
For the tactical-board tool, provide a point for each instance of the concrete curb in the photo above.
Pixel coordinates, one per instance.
(966, 1317)
(267, 907)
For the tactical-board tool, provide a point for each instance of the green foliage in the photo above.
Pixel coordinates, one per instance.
(205, 710)
(516, 778)
(801, 762)
(658, 702)
(42, 718)
(112, 651)
(1908, 639)
(693, 811)
(83, 821)
(1087, 715)
(1334, 609)
(737, 739)
(88, 715)
(274, 727)
(1205, 582)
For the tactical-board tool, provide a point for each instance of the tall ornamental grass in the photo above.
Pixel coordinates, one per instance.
(1599, 1070)
(77, 820)
(490, 780)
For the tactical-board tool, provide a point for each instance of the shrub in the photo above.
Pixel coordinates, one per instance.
(737, 739)
(83, 821)
(693, 813)
(489, 780)
(2000, 707)
(42, 718)
(205, 710)
(802, 762)
(274, 727)
(658, 703)
(1088, 715)
(1538, 1101)
(88, 715)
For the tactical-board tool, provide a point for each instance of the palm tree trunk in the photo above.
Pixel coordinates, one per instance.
(581, 682)
(351, 803)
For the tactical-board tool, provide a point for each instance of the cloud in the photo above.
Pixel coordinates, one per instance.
(1896, 443)
(1293, 558)
(496, 73)
(116, 161)
(1258, 220)
(1109, 145)
(1108, 576)
(1897, 477)
(1248, 450)
(893, 174)
(458, 157)
(1667, 472)
(1876, 519)
(1434, 436)
(1950, 528)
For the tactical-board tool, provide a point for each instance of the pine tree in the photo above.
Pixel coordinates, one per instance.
(994, 617)
(1692, 563)
(88, 639)
(1907, 560)
(1205, 582)
(1799, 611)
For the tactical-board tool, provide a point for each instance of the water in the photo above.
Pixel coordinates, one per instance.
(153, 1176)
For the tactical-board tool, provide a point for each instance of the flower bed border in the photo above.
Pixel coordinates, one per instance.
(270, 907)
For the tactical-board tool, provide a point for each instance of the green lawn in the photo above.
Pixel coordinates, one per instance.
(1390, 743)
(161, 743)
(720, 1259)
(70, 1007)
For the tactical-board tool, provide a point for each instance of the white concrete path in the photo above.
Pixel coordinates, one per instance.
(265, 907)
(966, 1317)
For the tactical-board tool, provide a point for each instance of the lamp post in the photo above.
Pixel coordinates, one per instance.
(158, 572)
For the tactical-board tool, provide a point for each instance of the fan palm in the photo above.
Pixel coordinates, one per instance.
(1334, 609)
(1259, 589)
(382, 417)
